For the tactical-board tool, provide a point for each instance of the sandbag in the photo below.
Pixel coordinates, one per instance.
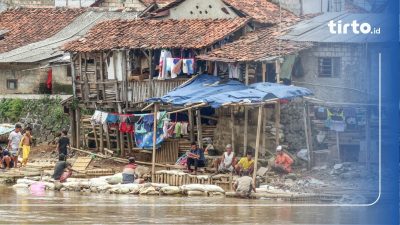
(215, 194)
(21, 185)
(196, 193)
(148, 191)
(49, 186)
(25, 181)
(193, 187)
(116, 179)
(157, 185)
(213, 188)
(170, 190)
(97, 182)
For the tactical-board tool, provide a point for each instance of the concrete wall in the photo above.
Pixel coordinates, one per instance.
(29, 78)
(352, 83)
(200, 9)
(73, 3)
(28, 3)
(135, 4)
(309, 6)
(62, 84)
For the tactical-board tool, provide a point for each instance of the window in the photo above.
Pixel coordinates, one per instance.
(69, 72)
(12, 84)
(335, 6)
(329, 66)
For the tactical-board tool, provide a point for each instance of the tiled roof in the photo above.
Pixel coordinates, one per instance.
(29, 25)
(261, 11)
(153, 34)
(259, 45)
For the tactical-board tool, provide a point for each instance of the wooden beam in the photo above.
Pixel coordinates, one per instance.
(191, 124)
(264, 133)
(101, 139)
(277, 122)
(305, 112)
(258, 135)
(278, 71)
(191, 107)
(233, 130)
(153, 160)
(73, 127)
(78, 127)
(247, 74)
(73, 74)
(199, 129)
(95, 137)
(103, 86)
(264, 72)
(148, 107)
(245, 129)
(150, 58)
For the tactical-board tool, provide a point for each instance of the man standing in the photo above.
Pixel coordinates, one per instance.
(245, 164)
(63, 143)
(283, 162)
(14, 140)
(195, 158)
(227, 162)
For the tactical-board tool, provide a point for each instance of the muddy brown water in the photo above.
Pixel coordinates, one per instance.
(22, 207)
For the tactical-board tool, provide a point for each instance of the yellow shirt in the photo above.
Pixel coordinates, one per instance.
(245, 163)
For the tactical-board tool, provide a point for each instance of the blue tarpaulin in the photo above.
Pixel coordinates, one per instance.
(215, 92)
(198, 89)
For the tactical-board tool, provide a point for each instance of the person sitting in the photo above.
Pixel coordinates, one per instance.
(195, 157)
(6, 161)
(128, 173)
(245, 164)
(244, 185)
(62, 169)
(227, 162)
(283, 162)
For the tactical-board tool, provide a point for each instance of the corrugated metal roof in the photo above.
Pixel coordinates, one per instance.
(50, 47)
(317, 30)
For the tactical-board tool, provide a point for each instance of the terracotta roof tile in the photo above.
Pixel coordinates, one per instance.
(257, 45)
(154, 34)
(29, 25)
(261, 11)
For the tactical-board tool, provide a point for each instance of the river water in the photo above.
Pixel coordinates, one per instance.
(22, 207)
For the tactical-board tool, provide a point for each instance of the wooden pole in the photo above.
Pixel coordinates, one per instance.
(278, 71)
(191, 124)
(264, 71)
(338, 145)
(101, 139)
(151, 73)
(246, 115)
(73, 127)
(309, 132)
(264, 133)
(277, 122)
(153, 160)
(199, 129)
(305, 115)
(246, 127)
(103, 87)
(78, 127)
(95, 137)
(259, 123)
(73, 74)
(233, 130)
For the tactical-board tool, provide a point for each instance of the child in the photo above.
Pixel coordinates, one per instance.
(25, 144)
(63, 143)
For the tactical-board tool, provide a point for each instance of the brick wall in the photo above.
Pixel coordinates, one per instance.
(29, 78)
(352, 83)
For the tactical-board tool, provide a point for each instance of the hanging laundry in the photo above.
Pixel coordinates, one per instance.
(233, 71)
(145, 140)
(163, 63)
(170, 63)
(184, 128)
(96, 118)
(103, 121)
(176, 67)
(177, 130)
(335, 114)
(148, 121)
(189, 63)
(338, 126)
(165, 129)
